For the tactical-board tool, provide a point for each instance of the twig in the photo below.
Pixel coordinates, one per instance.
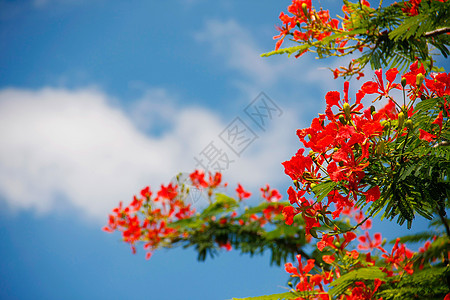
(437, 32)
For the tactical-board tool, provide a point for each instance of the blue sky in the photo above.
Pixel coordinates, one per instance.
(101, 98)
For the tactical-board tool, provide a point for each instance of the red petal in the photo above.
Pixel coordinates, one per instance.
(332, 98)
(426, 136)
(369, 87)
(391, 74)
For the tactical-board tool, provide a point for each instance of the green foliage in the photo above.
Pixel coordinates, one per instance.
(428, 283)
(323, 189)
(414, 174)
(436, 252)
(342, 283)
(222, 204)
(213, 228)
(415, 238)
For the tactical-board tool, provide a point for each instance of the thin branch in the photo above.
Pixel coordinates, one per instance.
(437, 32)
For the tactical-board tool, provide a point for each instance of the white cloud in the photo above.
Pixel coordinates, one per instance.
(75, 145)
(74, 148)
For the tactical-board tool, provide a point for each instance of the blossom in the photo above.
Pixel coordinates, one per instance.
(426, 136)
(400, 257)
(271, 195)
(146, 192)
(377, 86)
(326, 241)
(367, 243)
(359, 217)
(289, 213)
(372, 194)
(242, 194)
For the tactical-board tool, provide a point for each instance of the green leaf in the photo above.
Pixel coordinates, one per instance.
(415, 238)
(323, 189)
(427, 283)
(223, 203)
(346, 280)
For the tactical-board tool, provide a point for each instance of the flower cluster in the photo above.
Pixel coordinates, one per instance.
(152, 219)
(147, 217)
(306, 25)
(356, 31)
(316, 278)
(348, 139)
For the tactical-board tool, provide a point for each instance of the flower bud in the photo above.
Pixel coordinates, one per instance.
(403, 81)
(346, 109)
(313, 232)
(380, 148)
(409, 124)
(305, 9)
(401, 119)
(342, 120)
(419, 79)
(372, 109)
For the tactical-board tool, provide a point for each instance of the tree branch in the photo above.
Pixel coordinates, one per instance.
(437, 32)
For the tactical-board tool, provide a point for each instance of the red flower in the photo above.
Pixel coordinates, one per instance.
(169, 192)
(307, 282)
(242, 194)
(215, 181)
(332, 98)
(329, 259)
(377, 86)
(366, 243)
(271, 195)
(297, 165)
(198, 179)
(359, 217)
(289, 213)
(399, 257)
(352, 254)
(426, 136)
(326, 241)
(372, 194)
(296, 197)
(369, 87)
(348, 237)
(146, 192)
